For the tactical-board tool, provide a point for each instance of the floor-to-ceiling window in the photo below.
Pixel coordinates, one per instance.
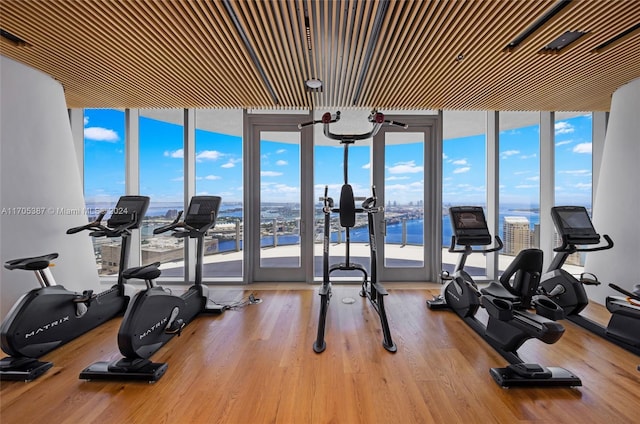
(104, 177)
(573, 168)
(463, 176)
(218, 169)
(161, 171)
(519, 183)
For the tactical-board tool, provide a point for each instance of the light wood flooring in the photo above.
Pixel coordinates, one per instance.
(256, 365)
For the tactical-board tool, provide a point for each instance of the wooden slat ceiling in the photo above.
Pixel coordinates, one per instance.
(385, 54)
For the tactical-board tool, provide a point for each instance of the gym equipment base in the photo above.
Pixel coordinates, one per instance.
(560, 377)
(22, 369)
(151, 372)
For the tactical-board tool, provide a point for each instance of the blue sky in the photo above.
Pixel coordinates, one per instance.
(219, 165)
(464, 167)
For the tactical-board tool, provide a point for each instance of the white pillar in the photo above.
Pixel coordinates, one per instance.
(616, 208)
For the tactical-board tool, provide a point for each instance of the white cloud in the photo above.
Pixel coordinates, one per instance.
(281, 151)
(176, 154)
(366, 166)
(583, 186)
(462, 170)
(560, 143)
(527, 186)
(508, 153)
(231, 163)
(178, 179)
(101, 134)
(412, 187)
(578, 172)
(409, 167)
(536, 178)
(444, 156)
(531, 156)
(563, 127)
(582, 148)
(209, 155)
(460, 162)
(282, 163)
(212, 177)
(86, 120)
(394, 178)
(270, 174)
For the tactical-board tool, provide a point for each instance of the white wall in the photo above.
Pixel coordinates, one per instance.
(616, 207)
(39, 169)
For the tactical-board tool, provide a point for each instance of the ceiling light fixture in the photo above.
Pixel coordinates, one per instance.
(14, 39)
(546, 17)
(562, 42)
(307, 31)
(617, 39)
(313, 85)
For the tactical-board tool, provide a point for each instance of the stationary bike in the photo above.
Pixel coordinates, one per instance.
(50, 316)
(371, 288)
(507, 303)
(155, 315)
(576, 229)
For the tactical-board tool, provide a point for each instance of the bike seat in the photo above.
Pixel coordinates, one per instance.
(498, 290)
(35, 263)
(145, 272)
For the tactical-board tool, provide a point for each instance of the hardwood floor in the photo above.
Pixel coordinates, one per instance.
(256, 365)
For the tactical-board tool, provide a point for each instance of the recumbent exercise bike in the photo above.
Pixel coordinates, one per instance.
(576, 229)
(510, 322)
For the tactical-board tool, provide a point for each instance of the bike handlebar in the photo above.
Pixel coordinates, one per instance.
(99, 230)
(571, 247)
(468, 249)
(163, 229)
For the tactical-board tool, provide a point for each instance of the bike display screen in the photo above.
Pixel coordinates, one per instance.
(469, 225)
(574, 225)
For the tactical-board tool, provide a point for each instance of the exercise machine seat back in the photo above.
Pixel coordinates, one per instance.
(525, 270)
(347, 207)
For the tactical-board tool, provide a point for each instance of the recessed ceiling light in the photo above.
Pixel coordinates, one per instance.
(14, 39)
(561, 42)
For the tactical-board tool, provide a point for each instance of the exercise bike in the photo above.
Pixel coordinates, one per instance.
(576, 229)
(155, 315)
(47, 317)
(347, 211)
(510, 322)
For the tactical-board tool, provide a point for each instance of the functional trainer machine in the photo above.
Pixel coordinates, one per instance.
(576, 229)
(155, 315)
(510, 322)
(50, 316)
(347, 211)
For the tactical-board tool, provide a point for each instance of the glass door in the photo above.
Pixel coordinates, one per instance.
(280, 200)
(407, 185)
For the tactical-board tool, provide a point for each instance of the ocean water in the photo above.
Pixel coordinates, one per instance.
(415, 234)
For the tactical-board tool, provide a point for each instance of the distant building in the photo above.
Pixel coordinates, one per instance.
(573, 259)
(517, 234)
